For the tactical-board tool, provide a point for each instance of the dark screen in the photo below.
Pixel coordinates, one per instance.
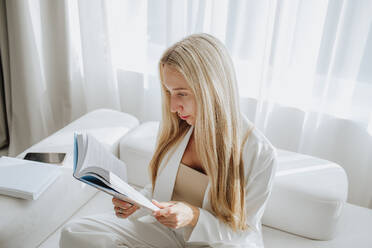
(54, 158)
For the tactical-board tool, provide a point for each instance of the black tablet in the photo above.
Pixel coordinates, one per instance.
(46, 157)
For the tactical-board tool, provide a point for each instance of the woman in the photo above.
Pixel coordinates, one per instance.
(212, 171)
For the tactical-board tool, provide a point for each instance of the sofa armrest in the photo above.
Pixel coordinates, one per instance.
(29, 223)
(106, 125)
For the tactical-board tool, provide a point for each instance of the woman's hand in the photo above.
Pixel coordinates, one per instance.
(176, 214)
(123, 209)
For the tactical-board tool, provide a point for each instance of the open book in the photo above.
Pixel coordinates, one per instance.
(96, 166)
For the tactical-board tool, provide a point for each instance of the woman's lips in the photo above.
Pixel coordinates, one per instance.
(184, 117)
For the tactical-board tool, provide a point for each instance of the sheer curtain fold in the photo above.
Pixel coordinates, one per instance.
(52, 81)
(98, 73)
(303, 68)
(309, 99)
(26, 77)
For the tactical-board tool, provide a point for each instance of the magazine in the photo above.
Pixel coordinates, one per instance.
(98, 167)
(26, 179)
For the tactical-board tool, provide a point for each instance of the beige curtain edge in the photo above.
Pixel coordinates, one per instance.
(5, 90)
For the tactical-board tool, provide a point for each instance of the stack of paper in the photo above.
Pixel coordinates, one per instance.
(25, 179)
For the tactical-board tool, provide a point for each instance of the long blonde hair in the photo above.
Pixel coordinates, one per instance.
(208, 69)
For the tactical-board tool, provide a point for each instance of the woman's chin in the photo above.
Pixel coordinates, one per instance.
(191, 123)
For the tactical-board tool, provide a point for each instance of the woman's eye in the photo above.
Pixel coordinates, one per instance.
(181, 94)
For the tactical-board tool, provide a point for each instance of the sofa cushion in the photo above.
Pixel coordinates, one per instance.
(27, 223)
(136, 149)
(307, 197)
(354, 230)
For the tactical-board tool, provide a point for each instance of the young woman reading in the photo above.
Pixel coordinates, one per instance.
(211, 172)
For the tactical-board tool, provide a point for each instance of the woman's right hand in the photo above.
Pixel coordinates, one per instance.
(123, 209)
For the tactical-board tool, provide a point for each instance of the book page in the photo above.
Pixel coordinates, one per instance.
(99, 160)
(118, 192)
(124, 188)
(80, 148)
(99, 168)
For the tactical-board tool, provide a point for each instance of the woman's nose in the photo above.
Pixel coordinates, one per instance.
(175, 106)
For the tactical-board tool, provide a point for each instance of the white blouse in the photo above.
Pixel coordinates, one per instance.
(259, 158)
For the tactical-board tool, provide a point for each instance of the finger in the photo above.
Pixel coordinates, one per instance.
(118, 201)
(162, 212)
(165, 209)
(156, 203)
(121, 204)
(126, 211)
(162, 204)
(120, 210)
(133, 208)
(163, 219)
(121, 215)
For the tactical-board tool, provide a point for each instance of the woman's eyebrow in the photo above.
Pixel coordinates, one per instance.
(179, 89)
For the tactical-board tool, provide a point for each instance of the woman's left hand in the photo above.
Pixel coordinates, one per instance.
(176, 214)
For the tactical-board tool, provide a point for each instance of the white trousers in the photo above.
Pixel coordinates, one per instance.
(107, 230)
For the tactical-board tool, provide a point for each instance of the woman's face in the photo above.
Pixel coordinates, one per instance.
(182, 100)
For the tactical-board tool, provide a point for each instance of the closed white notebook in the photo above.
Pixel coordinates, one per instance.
(25, 179)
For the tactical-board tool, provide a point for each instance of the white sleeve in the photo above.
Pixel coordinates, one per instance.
(260, 163)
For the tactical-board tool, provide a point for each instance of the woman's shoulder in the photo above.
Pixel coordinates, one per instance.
(256, 146)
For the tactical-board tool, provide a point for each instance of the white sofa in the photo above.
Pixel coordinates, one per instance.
(308, 197)
(28, 223)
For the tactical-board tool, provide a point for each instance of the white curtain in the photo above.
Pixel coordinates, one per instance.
(303, 68)
(60, 66)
